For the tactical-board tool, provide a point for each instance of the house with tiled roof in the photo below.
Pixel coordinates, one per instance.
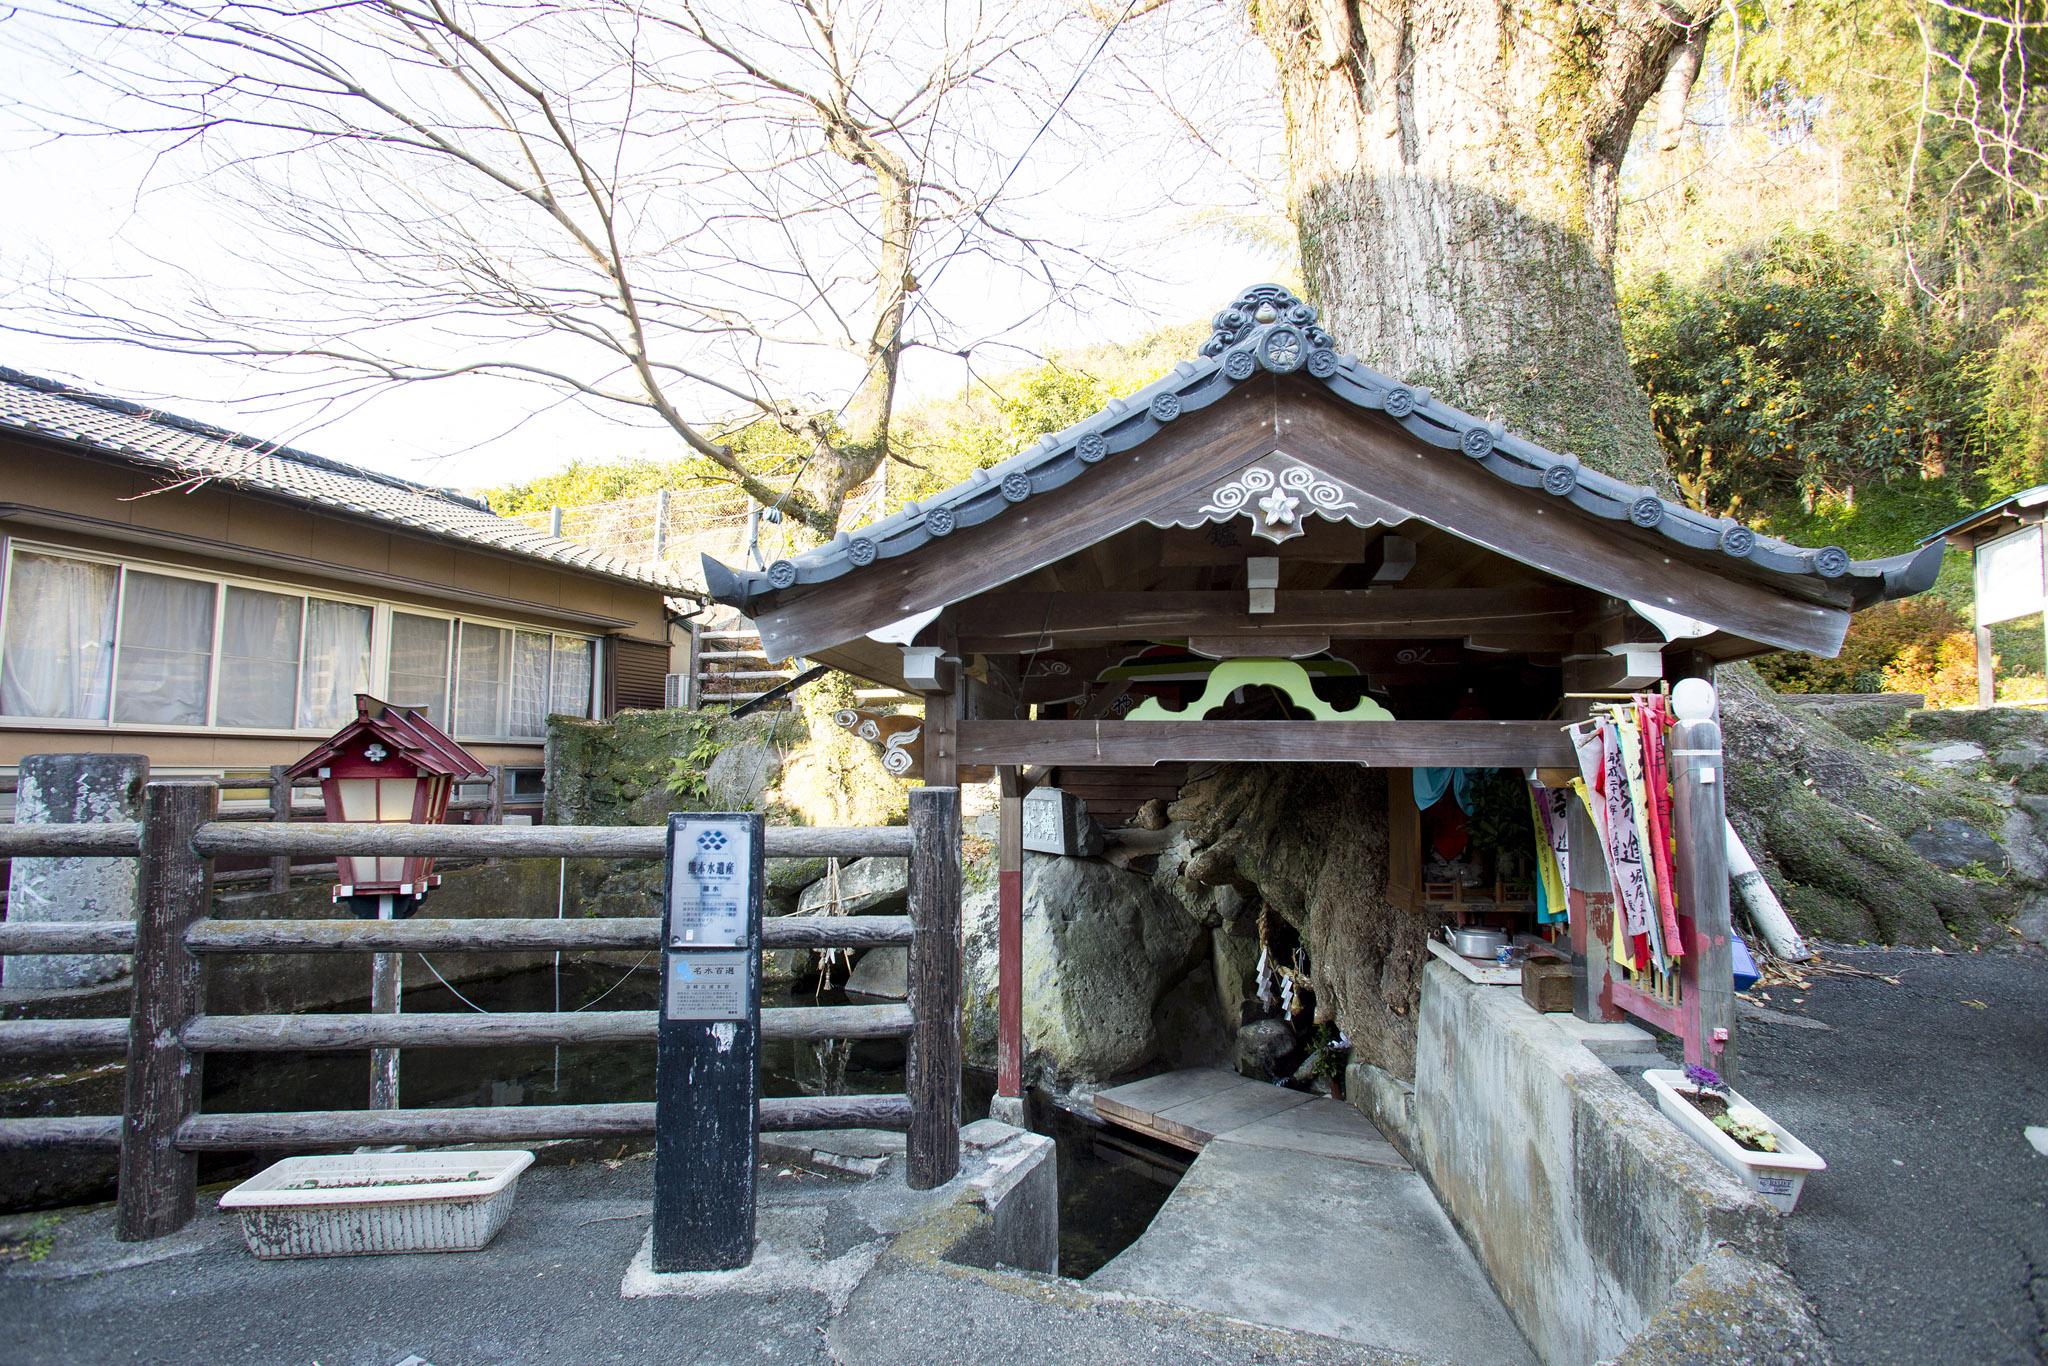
(216, 602)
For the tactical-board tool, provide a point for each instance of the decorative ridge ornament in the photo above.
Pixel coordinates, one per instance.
(1289, 321)
(1278, 494)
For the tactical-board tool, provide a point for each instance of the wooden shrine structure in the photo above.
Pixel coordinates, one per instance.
(1277, 554)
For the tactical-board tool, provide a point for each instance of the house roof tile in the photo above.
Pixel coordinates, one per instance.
(197, 453)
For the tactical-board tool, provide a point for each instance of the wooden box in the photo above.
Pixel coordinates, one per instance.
(1547, 984)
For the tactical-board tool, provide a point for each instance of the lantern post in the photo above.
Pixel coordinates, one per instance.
(390, 765)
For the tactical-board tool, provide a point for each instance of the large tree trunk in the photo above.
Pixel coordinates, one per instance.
(1455, 176)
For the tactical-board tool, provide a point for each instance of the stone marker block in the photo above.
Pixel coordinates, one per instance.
(1057, 822)
(68, 789)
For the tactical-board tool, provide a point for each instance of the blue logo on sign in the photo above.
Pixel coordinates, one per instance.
(711, 839)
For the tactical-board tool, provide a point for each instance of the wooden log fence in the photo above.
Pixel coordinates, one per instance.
(168, 1034)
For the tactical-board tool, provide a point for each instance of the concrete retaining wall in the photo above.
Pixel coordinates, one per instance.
(1591, 1212)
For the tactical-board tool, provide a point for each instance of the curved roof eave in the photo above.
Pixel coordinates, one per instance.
(1267, 329)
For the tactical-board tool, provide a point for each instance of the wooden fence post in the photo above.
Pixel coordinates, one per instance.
(1698, 813)
(173, 890)
(280, 810)
(496, 815)
(933, 1072)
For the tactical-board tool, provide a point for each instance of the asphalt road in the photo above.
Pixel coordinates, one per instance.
(1926, 1240)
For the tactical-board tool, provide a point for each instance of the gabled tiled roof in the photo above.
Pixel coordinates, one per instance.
(201, 453)
(1268, 329)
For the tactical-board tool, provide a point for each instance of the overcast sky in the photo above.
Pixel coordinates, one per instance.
(105, 213)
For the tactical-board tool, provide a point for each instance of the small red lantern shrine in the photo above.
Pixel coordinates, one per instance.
(389, 765)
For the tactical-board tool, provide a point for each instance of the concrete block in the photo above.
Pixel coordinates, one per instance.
(69, 789)
(1356, 1251)
(1734, 1309)
(1385, 1099)
(1621, 1045)
(1057, 822)
(1586, 1206)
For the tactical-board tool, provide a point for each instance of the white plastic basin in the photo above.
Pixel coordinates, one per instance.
(361, 1204)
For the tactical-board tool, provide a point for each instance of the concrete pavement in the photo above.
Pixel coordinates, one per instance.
(548, 1290)
(1309, 1219)
(1926, 1239)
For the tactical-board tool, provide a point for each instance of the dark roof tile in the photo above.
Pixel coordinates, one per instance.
(199, 453)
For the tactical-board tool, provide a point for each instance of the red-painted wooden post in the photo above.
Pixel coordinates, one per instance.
(1010, 934)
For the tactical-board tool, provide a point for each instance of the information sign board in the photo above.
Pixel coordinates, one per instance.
(708, 986)
(710, 881)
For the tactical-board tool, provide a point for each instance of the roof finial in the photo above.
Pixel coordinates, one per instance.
(1268, 307)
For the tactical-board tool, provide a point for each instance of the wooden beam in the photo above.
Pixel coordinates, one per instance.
(481, 934)
(445, 1029)
(505, 1123)
(1369, 451)
(317, 839)
(1226, 545)
(1381, 744)
(1392, 559)
(1007, 621)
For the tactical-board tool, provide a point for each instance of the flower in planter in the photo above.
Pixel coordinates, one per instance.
(1747, 1126)
(1704, 1079)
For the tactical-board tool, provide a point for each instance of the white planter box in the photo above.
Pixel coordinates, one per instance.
(1778, 1176)
(363, 1203)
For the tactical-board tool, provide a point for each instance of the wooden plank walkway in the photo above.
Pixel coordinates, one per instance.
(1191, 1109)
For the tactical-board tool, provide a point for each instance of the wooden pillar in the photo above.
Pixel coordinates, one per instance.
(941, 739)
(1010, 932)
(1986, 683)
(280, 811)
(496, 815)
(159, 1183)
(1698, 817)
(932, 1076)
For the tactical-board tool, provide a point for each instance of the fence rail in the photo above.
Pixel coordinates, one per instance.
(168, 1035)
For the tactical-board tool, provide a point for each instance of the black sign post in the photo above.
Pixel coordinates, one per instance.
(707, 1080)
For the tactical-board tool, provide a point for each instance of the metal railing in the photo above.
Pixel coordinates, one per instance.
(168, 1033)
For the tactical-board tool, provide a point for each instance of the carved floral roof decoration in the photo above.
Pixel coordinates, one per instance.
(1267, 328)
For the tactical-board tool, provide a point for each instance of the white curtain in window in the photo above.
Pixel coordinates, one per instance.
(419, 663)
(572, 677)
(166, 655)
(259, 659)
(59, 648)
(480, 676)
(530, 650)
(337, 663)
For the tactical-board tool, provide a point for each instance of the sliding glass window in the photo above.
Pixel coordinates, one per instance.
(84, 639)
